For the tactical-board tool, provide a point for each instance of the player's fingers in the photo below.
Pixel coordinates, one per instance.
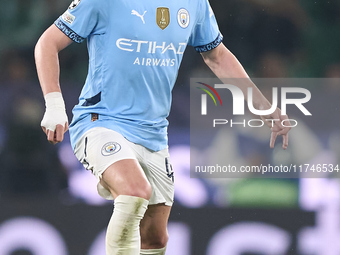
(59, 134)
(44, 129)
(278, 124)
(284, 131)
(277, 118)
(285, 121)
(50, 136)
(273, 139)
(276, 128)
(287, 126)
(285, 141)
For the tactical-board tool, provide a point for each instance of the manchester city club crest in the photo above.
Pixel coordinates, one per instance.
(163, 17)
(110, 148)
(183, 18)
(74, 4)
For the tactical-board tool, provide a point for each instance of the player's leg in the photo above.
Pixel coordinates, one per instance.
(108, 155)
(154, 234)
(153, 229)
(128, 185)
(126, 177)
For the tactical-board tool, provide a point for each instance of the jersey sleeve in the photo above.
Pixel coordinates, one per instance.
(81, 19)
(205, 35)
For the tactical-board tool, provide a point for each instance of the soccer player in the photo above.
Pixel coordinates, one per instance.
(119, 126)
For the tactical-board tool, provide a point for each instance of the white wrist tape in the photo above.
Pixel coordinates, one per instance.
(55, 113)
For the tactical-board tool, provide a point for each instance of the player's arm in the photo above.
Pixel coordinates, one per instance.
(225, 65)
(55, 122)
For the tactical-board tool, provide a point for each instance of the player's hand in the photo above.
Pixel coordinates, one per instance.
(55, 121)
(57, 135)
(274, 122)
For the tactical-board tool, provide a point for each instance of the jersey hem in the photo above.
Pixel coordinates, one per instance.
(68, 31)
(79, 127)
(210, 46)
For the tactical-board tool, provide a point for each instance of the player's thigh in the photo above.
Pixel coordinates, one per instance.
(153, 227)
(111, 159)
(126, 177)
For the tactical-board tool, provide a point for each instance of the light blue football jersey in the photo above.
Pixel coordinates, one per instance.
(135, 50)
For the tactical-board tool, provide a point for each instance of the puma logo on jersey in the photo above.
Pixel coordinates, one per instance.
(138, 15)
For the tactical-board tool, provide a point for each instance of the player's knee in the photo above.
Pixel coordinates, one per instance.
(142, 190)
(148, 191)
(157, 241)
(162, 241)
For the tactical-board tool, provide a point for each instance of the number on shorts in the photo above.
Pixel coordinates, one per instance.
(169, 171)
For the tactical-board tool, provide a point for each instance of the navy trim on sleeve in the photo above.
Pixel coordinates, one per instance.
(68, 31)
(210, 46)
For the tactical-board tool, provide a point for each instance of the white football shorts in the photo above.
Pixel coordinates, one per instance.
(101, 147)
